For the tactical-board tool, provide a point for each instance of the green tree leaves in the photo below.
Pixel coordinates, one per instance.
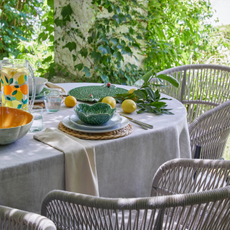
(70, 45)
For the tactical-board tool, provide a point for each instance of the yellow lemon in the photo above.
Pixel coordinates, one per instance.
(19, 95)
(70, 101)
(21, 79)
(109, 100)
(128, 106)
(131, 90)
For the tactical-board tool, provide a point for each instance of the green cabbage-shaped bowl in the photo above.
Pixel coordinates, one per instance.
(96, 114)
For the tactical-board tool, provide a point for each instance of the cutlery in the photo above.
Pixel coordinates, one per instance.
(142, 124)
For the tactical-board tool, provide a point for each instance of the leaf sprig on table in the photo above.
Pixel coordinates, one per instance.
(146, 98)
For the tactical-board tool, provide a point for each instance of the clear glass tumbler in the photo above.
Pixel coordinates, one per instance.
(37, 119)
(53, 100)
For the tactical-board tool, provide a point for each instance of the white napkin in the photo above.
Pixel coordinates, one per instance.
(80, 164)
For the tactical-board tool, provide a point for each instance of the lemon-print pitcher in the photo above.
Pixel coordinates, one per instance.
(15, 74)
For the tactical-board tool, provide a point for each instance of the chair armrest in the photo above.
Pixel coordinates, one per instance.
(180, 176)
(11, 218)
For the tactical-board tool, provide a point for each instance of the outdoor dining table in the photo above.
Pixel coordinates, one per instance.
(29, 169)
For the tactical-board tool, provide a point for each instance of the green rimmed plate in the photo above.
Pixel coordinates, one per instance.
(41, 94)
(84, 93)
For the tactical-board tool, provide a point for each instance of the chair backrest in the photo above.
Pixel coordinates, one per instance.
(202, 87)
(181, 176)
(201, 211)
(211, 131)
(16, 219)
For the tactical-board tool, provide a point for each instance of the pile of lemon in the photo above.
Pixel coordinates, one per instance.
(128, 105)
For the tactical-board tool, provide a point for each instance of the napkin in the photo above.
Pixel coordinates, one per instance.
(80, 164)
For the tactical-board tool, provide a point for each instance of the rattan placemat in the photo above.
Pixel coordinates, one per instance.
(98, 136)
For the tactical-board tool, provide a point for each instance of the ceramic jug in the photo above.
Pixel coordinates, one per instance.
(15, 74)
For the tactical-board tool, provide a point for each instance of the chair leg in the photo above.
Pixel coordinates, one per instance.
(197, 156)
(197, 152)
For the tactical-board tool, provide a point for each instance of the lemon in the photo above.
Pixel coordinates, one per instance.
(109, 100)
(131, 90)
(70, 101)
(128, 106)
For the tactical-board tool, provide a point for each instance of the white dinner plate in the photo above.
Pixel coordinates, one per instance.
(67, 123)
(116, 119)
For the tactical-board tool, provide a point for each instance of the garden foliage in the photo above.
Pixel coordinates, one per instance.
(157, 34)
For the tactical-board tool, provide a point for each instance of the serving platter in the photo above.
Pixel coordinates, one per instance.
(67, 123)
(116, 119)
(94, 93)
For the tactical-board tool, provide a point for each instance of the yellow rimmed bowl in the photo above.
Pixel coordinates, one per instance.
(14, 124)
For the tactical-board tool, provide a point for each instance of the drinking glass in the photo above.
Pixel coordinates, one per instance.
(53, 100)
(37, 124)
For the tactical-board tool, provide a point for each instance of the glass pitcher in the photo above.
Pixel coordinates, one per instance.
(15, 74)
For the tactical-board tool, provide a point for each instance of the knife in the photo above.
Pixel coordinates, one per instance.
(147, 126)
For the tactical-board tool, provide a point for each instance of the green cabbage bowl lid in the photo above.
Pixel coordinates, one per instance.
(96, 114)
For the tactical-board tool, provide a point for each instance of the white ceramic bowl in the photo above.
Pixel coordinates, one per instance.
(40, 83)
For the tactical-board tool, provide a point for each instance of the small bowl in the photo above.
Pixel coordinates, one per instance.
(96, 114)
(40, 84)
(14, 124)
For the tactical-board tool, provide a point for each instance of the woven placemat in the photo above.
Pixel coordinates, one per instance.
(98, 136)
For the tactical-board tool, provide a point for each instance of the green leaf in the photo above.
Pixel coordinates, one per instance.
(19, 106)
(104, 49)
(14, 92)
(71, 46)
(83, 52)
(158, 104)
(169, 79)
(151, 94)
(114, 41)
(104, 78)
(140, 94)
(50, 3)
(11, 81)
(127, 50)
(6, 79)
(79, 66)
(87, 71)
(66, 12)
(148, 75)
(47, 60)
(74, 57)
(96, 56)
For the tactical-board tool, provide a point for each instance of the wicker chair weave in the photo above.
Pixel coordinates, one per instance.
(203, 89)
(204, 206)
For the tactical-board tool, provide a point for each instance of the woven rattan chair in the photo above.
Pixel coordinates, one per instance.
(203, 202)
(11, 218)
(203, 88)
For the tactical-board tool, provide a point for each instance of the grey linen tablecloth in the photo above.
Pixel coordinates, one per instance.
(125, 166)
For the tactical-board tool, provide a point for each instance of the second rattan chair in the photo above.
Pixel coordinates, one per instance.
(203, 89)
(187, 194)
(11, 218)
